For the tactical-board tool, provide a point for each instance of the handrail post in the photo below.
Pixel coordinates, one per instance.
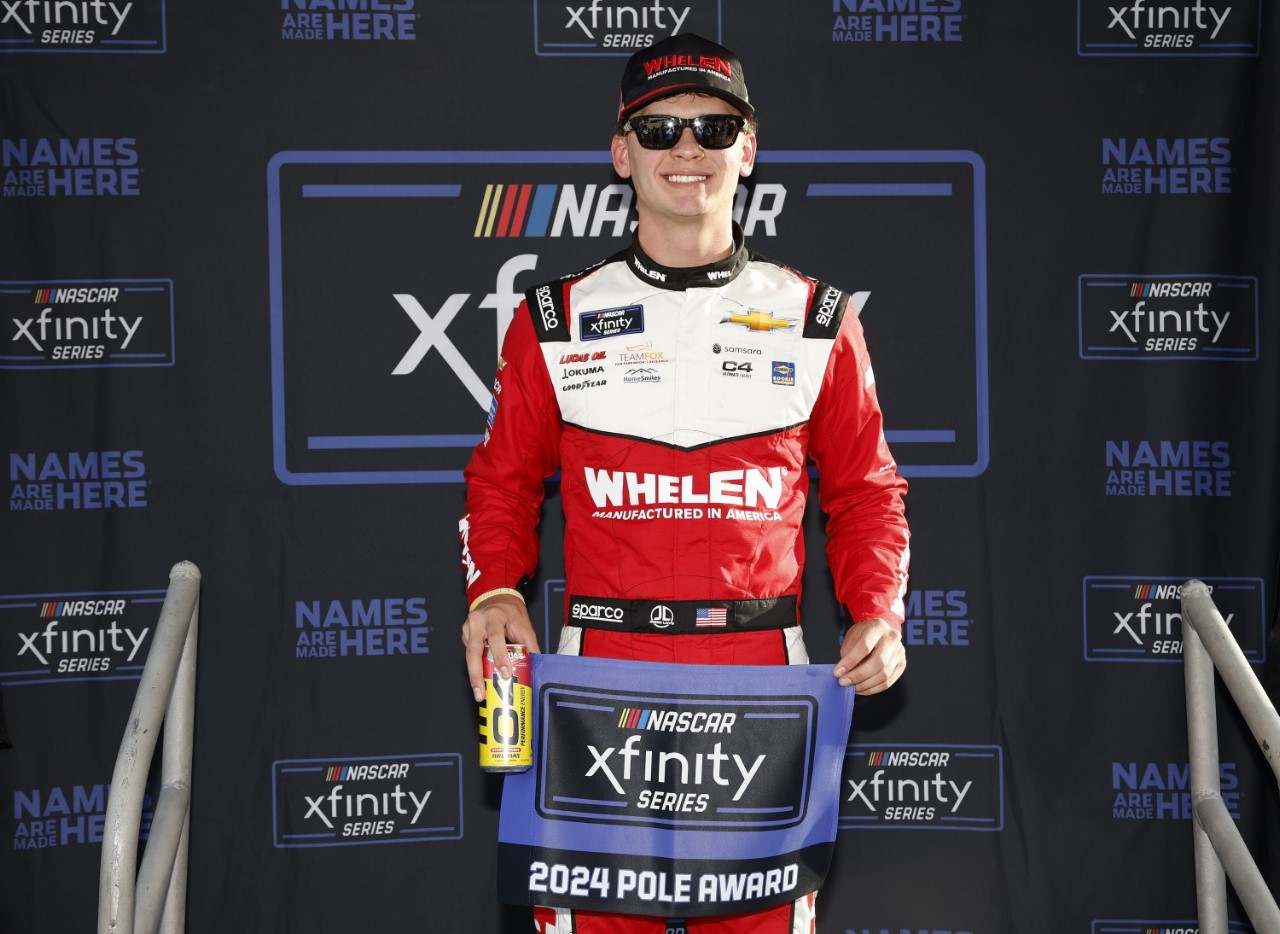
(166, 692)
(1206, 779)
(1246, 690)
(162, 875)
(1208, 645)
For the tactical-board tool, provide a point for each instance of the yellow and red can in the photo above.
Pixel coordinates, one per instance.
(506, 715)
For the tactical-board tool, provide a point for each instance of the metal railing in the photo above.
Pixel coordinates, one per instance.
(152, 898)
(1220, 851)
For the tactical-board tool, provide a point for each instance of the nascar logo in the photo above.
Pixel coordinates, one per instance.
(527, 210)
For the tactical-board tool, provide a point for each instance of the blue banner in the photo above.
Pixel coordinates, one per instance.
(675, 789)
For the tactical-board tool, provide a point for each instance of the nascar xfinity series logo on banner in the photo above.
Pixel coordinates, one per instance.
(51, 638)
(394, 275)
(74, 324)
(1152, 27)
(378, 799)
(82, 26)
(1139, 619)
(711, 786)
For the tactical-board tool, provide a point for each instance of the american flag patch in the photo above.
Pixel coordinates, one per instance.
(712, 616)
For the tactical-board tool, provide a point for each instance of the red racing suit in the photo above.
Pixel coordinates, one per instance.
(682, 408)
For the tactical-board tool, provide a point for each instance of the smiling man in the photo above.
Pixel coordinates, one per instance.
(681, 388)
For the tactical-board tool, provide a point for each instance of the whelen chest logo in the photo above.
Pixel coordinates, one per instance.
(1168, 317)
(51, 638)
(1139, 619)
(923, 787)
(380, 799)
(75, 324)
(1152, 28)
(616, 27)
(82, 26)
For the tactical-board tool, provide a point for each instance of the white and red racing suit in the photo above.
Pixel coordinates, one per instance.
(682, 408)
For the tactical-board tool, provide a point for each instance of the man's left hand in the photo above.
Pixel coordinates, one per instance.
(872, 657)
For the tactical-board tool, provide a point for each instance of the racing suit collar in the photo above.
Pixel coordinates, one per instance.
(689, 277)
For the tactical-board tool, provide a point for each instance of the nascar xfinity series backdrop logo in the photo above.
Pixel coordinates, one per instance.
(67, 324)
(1152, 27)
(50, 638)
(1139, 619)
(381, 799)
(1168, 317)
(394, 275)
(82, 26)
(922, 786)
(609, 27)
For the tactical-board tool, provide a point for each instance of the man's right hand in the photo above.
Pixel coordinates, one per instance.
(495, 621)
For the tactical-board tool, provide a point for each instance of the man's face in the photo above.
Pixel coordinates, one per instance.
(685, 182)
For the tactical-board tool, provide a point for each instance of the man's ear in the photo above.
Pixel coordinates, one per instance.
(748, 155)
(621, 158)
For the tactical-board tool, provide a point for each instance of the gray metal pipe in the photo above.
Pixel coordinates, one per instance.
(1219, 849)
(1243, 872)
(1199, 610)
(1206, 779)
(163, 689)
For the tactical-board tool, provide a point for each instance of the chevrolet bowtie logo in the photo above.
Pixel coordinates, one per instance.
(758, 320)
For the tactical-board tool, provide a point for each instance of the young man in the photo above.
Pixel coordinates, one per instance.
(681, 387)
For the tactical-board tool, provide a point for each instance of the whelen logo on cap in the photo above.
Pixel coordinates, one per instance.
(703, 62)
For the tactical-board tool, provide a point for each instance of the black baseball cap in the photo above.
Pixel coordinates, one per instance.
(679, 64)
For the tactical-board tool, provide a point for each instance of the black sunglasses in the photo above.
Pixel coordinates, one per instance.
(712, 131)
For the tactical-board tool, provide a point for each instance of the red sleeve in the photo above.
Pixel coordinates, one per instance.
(505, 476)
(868, 542)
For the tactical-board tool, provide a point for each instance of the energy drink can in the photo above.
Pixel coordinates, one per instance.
(506, 716)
